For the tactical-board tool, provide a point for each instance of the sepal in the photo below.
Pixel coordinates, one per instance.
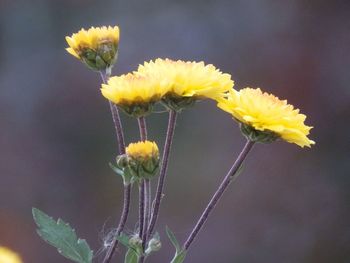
(258, 136)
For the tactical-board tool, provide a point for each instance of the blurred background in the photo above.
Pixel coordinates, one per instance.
(290, 205)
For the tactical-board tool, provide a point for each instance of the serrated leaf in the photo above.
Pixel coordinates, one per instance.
(60, 235)
(179, 257)
(131, 256)
(173, 239)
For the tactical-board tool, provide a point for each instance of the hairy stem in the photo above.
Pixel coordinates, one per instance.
(163, 170)
(121, 225)
(141, 207)
(127, 188)
(143, 128)
(143, 194)
(116, 119)
(118, 127)
(218, 194)
(144, 199)
(148, 195)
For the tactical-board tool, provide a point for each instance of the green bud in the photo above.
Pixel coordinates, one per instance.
(135, 241)
(122, 161)
(101, 59)
(128, 174)
(154, 245)
(143, 168)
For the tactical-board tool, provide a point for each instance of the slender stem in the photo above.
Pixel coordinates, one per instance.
(116, 119)
(143, 128)
(218, 194)
(163, 170)
(147, 195)
(141, 207)
(143, 135)
(127, 188)
(143, 194)
(118, 127)
(123, 218)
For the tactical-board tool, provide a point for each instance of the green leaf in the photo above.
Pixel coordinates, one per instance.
(131, 256)
(180, 253)
(60, 235)
(116, 170)
(179, 257)
(173, 239)
(124, 239)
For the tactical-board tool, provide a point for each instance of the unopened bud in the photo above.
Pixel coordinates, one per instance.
(154, 245)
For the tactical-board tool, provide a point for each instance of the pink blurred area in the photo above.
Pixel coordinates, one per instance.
(290, 205)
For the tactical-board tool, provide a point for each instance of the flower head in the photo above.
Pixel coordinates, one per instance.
(143, 150)
(141, 160)
(96, 47)
(264, 116)
(135, 94)
(8, 256)
(189, 81)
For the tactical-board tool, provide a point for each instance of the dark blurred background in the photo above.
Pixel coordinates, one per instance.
(290, 205)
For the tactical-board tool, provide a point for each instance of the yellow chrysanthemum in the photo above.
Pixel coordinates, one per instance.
(267, 113)
(8, 256)
(135, 94)
(143, 150)
(189, 79)
(97, 46)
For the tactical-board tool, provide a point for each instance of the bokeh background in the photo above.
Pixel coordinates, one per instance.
(290, 204)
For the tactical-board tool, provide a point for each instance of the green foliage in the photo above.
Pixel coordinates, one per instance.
(134, 246)
(131, 256)
(124, 172)
(179, 257)
(180, 253)
(60, 235)
(173, 239)
(116, 170)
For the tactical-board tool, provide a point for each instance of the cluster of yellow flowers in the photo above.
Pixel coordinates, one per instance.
(178, 84)
(175, 83)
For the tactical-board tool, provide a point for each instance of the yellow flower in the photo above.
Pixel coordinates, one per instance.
(188, 80)
(8, 256)
(143, 150)
(97, 47)
(263, 112)
(141, 160)
(135, 94)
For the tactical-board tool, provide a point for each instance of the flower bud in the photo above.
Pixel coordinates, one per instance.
(154, 245)
(122, 161)
(135, 241)
(96, 47)
(143, 159)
